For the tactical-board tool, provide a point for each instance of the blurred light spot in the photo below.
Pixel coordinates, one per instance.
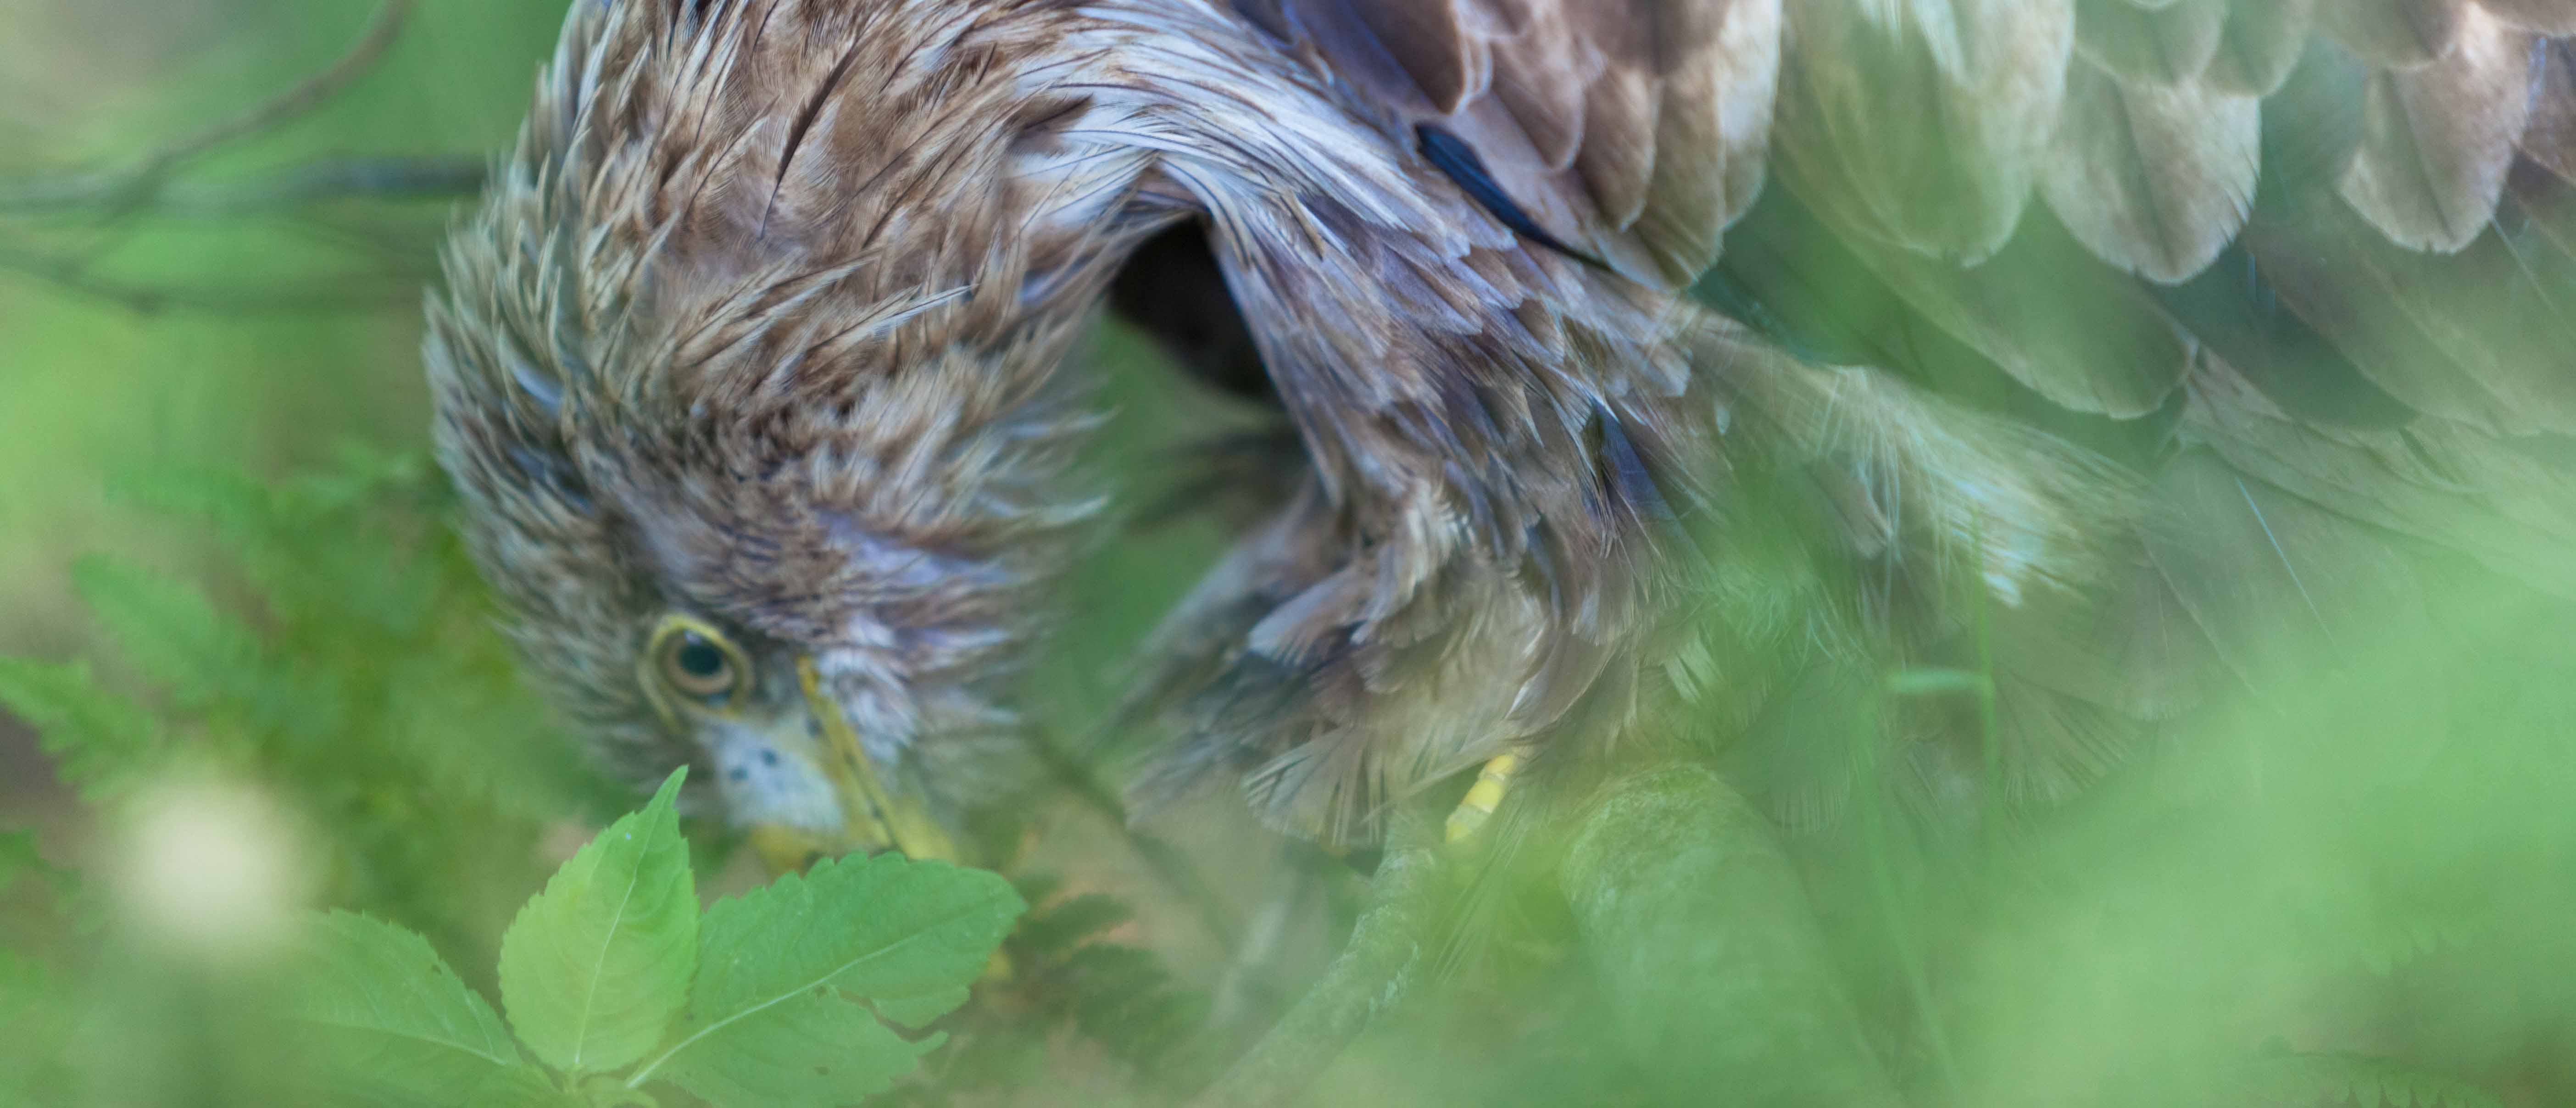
(213, 869)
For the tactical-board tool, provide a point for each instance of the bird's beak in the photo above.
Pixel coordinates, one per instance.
(874, 817)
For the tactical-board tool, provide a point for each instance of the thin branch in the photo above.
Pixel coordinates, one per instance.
(1375, 972)
(139, 185)
(389, 180)
(326, 294)
(150, 183)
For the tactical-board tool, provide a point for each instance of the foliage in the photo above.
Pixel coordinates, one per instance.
(366, 683)
(612, 980)
(393, 724)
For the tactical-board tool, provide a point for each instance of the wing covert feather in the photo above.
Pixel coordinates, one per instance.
(1922, 124)
(2437, 139)
(2165, 45)
(2317, 256)
(2259, 46)
(1631, 130)
(2154, 179)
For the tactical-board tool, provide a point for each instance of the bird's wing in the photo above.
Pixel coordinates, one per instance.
(1623, 124)
(1631, 131)
(2141, 133)
(2307, 266)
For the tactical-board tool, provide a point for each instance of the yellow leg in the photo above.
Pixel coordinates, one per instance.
(1484, 796)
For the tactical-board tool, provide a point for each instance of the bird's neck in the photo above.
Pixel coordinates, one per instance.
(1417, 339)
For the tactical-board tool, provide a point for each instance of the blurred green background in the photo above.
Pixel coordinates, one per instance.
(2361, 893)
(96, 388)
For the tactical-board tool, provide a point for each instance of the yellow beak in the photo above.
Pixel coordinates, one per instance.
(874, 818)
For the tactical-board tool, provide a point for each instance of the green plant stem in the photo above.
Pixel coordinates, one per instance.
(1375, 972)
(1713, 969)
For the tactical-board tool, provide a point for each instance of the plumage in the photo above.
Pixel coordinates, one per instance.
(2400, 34)
(2156, 180)
(2166, 44)
(2547, 17)
(1611, 435)
(2437, 139)
(1923, 124)
(2258, 46)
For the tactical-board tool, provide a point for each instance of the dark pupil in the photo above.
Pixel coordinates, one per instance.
(700, 658)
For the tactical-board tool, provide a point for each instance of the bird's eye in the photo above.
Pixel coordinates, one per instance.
(698, 668)
(697, 662)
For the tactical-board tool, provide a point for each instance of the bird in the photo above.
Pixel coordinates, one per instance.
(1663, 374)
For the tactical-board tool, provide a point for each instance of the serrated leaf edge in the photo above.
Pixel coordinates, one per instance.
(510, 1059)
(665, 798)
(645, 1073)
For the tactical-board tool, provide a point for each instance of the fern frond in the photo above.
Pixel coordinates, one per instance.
(101, 742)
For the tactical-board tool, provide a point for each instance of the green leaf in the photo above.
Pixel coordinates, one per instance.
(811, 1048)
(389, 1023)
(915, 1011)
(99, 740)
(773, 1017)
(169, 630)
(18, 858)
(228, 503)
(596, 966)
(36, 1064)
(520, 1087)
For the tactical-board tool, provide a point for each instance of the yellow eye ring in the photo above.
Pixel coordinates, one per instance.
(689, 661)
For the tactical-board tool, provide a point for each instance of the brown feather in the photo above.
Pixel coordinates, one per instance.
(762, 324)
(2546, 17)
(2154, 180)
(1923, 124)
(2439, 483)
(2259, 46)
(2464, 337)
(1430, 41)
(2278, 585)
(2436, 140)
(2054, 318)
(1621, 120)
(2164, 45)
(2399, 33)
(2549, 140)
(1631, 131)
(1713, 128)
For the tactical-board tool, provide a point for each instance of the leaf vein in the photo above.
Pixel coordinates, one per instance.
(646, 1073)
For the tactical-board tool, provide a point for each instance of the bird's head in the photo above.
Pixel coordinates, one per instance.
(812, 587)
(767, 467)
